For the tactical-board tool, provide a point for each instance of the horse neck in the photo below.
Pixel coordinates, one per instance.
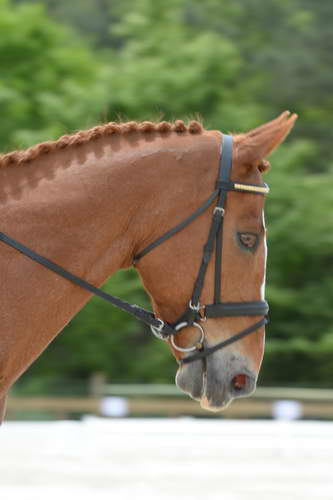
(88, 209)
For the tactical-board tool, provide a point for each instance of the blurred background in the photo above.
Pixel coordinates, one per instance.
(69, 65)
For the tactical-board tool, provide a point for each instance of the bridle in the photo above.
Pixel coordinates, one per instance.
(196, 313)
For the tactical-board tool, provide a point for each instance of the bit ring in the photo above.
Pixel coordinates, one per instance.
(197, 345)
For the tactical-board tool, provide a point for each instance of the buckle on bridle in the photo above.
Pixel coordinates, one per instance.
(194, 307)
(157, 330)
(219, 210)
(197, 308)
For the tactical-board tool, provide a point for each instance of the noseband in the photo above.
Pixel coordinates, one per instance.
(196, 313)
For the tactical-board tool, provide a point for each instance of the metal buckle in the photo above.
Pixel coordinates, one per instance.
(198, 344)
(194, 307)
(197, 308)
(157, 330)
(219, 210)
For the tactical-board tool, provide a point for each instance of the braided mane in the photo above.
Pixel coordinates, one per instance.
(85, 136)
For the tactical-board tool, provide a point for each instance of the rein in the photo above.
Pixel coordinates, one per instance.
(195, 312)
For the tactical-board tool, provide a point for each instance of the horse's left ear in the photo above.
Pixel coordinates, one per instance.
(253, 147)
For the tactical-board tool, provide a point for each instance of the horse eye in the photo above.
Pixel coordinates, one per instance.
(249, 241)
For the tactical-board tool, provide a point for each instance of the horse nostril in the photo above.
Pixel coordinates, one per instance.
(239, 382)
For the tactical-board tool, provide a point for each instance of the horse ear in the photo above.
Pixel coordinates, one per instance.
(255, 145)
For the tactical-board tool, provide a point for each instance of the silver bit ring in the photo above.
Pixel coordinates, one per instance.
(197, 345)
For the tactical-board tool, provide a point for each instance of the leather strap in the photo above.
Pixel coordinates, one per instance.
(139, 312)
(207, 253)
(221, 345)
(223, 309)
(177, 228)
(224, 176)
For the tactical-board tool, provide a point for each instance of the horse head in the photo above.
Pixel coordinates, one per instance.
(170, 272)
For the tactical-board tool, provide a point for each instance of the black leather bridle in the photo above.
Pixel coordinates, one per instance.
(195, 313)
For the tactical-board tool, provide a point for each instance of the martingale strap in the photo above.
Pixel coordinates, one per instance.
(192, 315)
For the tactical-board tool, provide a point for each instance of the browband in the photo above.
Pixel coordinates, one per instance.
(242, 187)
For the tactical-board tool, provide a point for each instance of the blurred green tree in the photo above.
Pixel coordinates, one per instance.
(300, 289)
(50, 80)
(168, 66)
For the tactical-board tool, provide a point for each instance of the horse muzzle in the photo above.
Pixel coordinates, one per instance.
(218, 380)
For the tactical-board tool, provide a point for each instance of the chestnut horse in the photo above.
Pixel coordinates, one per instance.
(93, 200)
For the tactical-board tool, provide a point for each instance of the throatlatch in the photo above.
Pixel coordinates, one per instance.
(196, 312)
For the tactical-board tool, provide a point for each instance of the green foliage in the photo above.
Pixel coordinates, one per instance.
(236, 64)
(300, 288)
(168, 66)
(50, 81)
